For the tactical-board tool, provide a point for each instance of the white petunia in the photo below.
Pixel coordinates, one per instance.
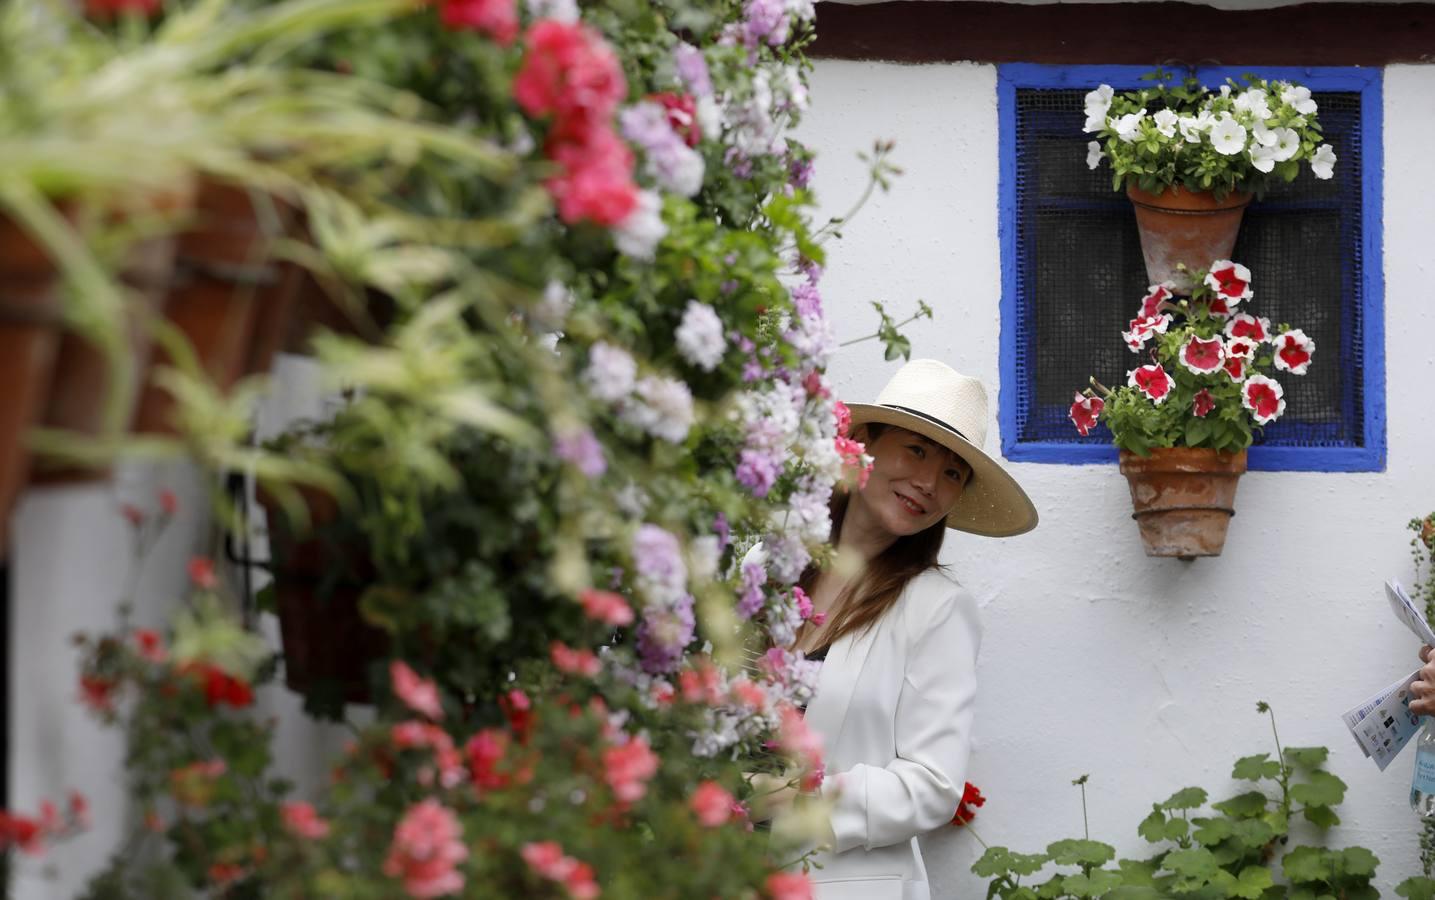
(1094, 156)
(1227, 135)
(1263, 158)
(1097, 103)
(1255, 102)
(1287, 144)
(700, 336)
(1323, 163)
(1262, 135)
(1166, 122)
(1298, 98)
(1192, 127)
(1128, 127)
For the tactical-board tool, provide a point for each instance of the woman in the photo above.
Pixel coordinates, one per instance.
(895, 694)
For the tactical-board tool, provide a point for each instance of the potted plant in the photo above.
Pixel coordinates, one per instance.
(1191, 158)
(1184, 419)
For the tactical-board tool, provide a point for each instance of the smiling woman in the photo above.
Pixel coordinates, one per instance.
(899, 637)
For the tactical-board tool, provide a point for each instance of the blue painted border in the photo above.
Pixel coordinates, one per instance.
(1370, 84)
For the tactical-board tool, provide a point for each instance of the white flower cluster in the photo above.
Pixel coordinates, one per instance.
(658, 404)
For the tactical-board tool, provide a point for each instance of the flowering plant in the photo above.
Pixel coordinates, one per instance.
(1185, 135)
(1205, 383)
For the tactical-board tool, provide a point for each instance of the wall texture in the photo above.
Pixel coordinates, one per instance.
(1143, 673)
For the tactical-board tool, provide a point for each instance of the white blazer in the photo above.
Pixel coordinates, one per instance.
(894, 709)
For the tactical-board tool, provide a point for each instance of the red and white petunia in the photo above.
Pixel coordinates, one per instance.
(1219, 307)
(1202, 403)
(1151, 381)
(1084, 413)
(1156, 294)
(1235, 368)
(1293, 351)
(1245, 325)
(1241, 348)
(1264, 397)
(1141, 329)
(1230, 280)
(1203, 356)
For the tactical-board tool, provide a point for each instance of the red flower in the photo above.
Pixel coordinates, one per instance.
(711, 804)
(789, 886)
(222, 873)
(682, 115)
(496, 18)
(596, 181)
(108, 9)
(971, 797)
(844, 418)
(1294, 351)
(302, 821)
(418, 694)
(79, 810)
(627, 768)
(1152, 381)
(568, 70)
(133, 514)
(201, 573)
(1245, 325)
(1201, 404)
(1203, 357)
(1235, 368)
(22, 832)
(1084, 413)
(150, 645)
(519, 710)
(427, 847)
(1264, 398)
(219, 686)
(1156, 295)
(574, 661)
(98, 693)
(606, 607)
(485, 750)
(1230, 280)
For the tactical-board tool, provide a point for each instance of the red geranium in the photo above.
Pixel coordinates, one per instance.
(496, 18)
(682, 112)
(971, 797)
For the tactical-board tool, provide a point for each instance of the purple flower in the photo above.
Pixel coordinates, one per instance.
(765, 20)
(663, 635)
(786, 557)
(658, 558)
(581, 449)
(807, 300)
(757, 471)
(722, 530)
(754, 576)
(670, 161)
(799, 172)
(693, 69)
(738, 162)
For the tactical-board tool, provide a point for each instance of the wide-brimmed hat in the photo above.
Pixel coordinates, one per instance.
(937, 402)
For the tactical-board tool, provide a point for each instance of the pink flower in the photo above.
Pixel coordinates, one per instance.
(682, 112)
(711, 804)
(150, 645)
(519, 711)
(302, 821)
(1156, 294)
(418, 694)
(800, 742)
(1264, 397)
(98, 694)
(485, 750)
(573, 661)
(804, 603)
(1085, 411)
(427, 844)
(133, 514)
(1231, 281)
(702, 684)
(22, 832)
(79, 809)
(1245, 325)
(1139, 331)
(1203, 357)
(789, 886)
(201, 573)
(106, 9)
(843, 416)
(426, 735)
(852, 453)
(168, 502)
(547, 859)
(1235, 368)
(596, 179)
(581, 884)
(627, 768)
(606, 607)
(569, 70)
(496, 18)
(1241, 348)
(1152, 381)
(1294, 351)
(1202, 403)
(748, 694)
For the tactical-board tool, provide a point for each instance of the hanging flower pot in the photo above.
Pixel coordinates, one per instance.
(1182, 226)
(317, 585)
(1183, 498)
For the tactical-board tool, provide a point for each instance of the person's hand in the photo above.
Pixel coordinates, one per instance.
(1424, 686)
(770, 795)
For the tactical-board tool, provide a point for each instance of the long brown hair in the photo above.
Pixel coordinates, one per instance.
(868, 598)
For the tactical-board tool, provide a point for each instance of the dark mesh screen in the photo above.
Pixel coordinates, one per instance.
(1080, 275)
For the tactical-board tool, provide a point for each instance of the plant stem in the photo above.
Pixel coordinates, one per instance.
(1085, 826)
(1280, 754)
(973, 831)
(876, 334)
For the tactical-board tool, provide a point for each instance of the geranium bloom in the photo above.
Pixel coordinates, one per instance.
(1264, 397)
(1245, 325)
(1156, 295)
(1202, 403)
(496, 18)
(201, 573)
(150, 645)
(1152, 381)
(627, 768)
(418, 694)
(193, 785)
(1294, 351)
(1085, 411)
(546, 858)
(23, 832)
(1230, 280)
(789, 886)
(98, 693)
(222, 873)
(971, 797)
(606, 607)
(574, 661)
(302, 821)
(485, 750)
(596, 182)
(219, 686)
(569, 70)
(519, 711)
(700, 336)
(427, 844)
(1203, 356)
(711, 804)
(682, 112)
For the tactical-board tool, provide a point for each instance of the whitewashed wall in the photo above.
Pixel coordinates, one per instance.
(1142, 672)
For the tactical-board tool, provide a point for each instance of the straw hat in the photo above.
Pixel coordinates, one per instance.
(939, 403)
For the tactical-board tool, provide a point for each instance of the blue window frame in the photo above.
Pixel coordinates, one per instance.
(1040, 116)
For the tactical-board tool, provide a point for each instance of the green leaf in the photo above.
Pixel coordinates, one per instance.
(1321, 816)
(1244, 806)
(1254, 768)
(1252, 833)
(993, 863)
(1095, 884)
(1186, 798)
(1139, 871)
(1306, 864)
(1358, 861)
(1417, 888)
(1323, 789)
(1176, 829)
(1197, 430)
(1028, 863)
(1210, 832)
(1306, 757)
(1196, 864)
(1081, 853)
(1053, 887)
(1253, 882)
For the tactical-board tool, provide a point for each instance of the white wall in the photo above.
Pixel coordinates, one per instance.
(1142, 672)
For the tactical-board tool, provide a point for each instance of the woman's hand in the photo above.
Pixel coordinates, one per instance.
(1424, 686)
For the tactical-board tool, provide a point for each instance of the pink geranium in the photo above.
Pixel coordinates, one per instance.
(574, 661)
(596, 178)
(1264, 397)
(627, 768)
(843, 416)
(606, 607)
(789, 886)
(1294, 351)
(569, 70)
(682, 112)
(711, 804)
(302, 821)
(1085, 411)
(427, 845)
(496, 18)
(748, 694)
(150, 645)
(1152, 381)
(418, 694)
(798, 740)
(485, 750)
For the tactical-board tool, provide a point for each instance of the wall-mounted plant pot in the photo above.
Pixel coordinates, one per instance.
(327, 643)
(230, 297)
(1181, 226)
(1183, 499)
(30, 314)
(318, 309)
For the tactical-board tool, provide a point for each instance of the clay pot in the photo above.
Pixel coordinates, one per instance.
(316, 310)
(1183, 499)
(230, 298)
(317, 586)
(1181, 226)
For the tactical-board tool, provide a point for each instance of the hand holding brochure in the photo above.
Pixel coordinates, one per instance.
(1383, 724)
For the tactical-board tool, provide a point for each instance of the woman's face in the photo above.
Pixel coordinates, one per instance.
(914, 484)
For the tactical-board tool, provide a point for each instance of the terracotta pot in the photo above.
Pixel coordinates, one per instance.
(30, 313)
(1183, 499)
(317, 587)
(1181, 226)
(229, 294)
(316, 310)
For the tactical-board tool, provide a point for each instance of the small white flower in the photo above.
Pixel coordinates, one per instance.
(1192, 127)
(1298, 98)
(1262, 135)
(1287, 144)
(663, 407)
(1128, 127)
(1263, 158)
(700, 336)
(1323, 163)
(1097, 103)
(1166, 122)
(1254, 101)
(611, 372)
(1094, 156)
(638, 235)
(1227, 135)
